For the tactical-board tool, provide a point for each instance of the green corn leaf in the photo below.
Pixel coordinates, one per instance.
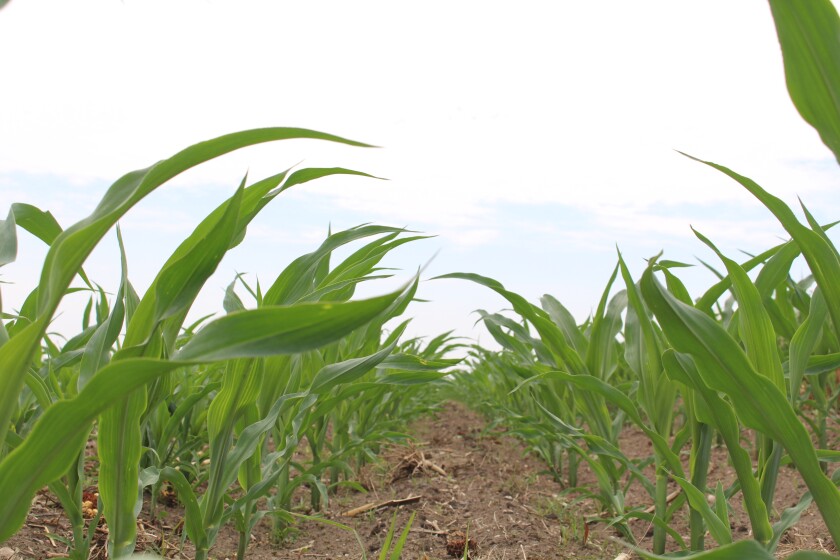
(552, 336)
(821, 257)
(643, 351)
(776, 270)
(97, 351)
(39, 388)
(341, 290)
(622, 401)
(225, 464)
(191, 264)
(722, 284)
(301, 176)
(718, 528)
(386, 545)
(740, 550)
(804, 342)
(721, 507)
(60, 433)
(676, 287)
(356, 261)
(180, 281)
(120, 436)
(604, 448)
(713, 410)
(815, 225)
(724, 367)
(755, 327)
(184, 408)
(43, 225)
(518, 340)
(39, 223)
(280, 329)
(790, 516)
(409, 362)
(250, 471)
(396, 553)
(667, 264)
(563, 318)
(808, 33)
(822, 364)
(250, 437)
(232, 301)
(357, 267)
(240, 389)
(120, 446)
(327, 403)
(707, 300)
(298, 278)
(72, 246)
(15, 356)
(653, 520)
(184, 491)
(435, 345)
(410, 377)
(601, 355)
(8, 239)
(275, 463)
(347, 371)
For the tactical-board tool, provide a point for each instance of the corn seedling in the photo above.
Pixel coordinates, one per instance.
(140, 375)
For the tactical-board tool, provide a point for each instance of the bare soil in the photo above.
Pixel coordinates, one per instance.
(466, 487)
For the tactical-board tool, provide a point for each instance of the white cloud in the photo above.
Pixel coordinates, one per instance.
(560, 94)
(480, 106)
(465, 238)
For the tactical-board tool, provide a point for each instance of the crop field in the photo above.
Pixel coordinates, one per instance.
(300, 421)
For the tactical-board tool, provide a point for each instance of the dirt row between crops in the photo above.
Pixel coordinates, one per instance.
(465, 488)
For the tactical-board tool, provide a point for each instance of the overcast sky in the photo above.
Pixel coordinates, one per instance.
(530, 137)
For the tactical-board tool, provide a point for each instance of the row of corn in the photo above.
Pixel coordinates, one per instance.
(757, 354)
(293, 389)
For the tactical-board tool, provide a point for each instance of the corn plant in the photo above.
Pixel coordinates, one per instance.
(754, 380)
(333, 382)
(122, 388)
(740, 363)
(576, 404)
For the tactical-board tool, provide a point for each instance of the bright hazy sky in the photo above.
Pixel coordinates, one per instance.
(529, 137)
